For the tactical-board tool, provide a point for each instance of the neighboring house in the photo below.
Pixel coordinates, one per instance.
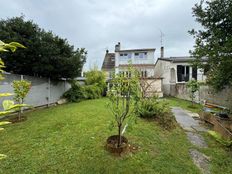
(109, 64)
(176, 70)
(141, 59)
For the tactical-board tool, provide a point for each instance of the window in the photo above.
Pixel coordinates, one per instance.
(182, 73)
(144, 74)
(125, 55)
(141, 55)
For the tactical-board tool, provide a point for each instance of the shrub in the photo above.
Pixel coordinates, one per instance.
(94, 87)
(151, 108)
(77, 92)
(91, 91)
(74, 94)
(158, 110)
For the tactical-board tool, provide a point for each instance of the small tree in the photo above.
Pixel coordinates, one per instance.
(123, 97)
(193, 86)
(21, 89)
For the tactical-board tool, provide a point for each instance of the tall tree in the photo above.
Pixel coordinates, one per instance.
(214, 41)
(46, 55)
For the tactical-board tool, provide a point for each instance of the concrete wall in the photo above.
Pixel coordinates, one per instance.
(222, 98)
(43, 91)
(153, 87)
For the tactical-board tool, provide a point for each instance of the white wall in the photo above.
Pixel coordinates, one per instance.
(41, 93)
(125, 61)
(163, 70)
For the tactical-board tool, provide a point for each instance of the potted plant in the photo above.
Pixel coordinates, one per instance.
(123, 96)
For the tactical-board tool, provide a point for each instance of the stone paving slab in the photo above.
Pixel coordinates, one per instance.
(200, 160)
(192, 127)
(196, 139)
(187, 122)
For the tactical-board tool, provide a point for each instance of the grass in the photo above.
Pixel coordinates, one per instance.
(197, 108)
(70, 139)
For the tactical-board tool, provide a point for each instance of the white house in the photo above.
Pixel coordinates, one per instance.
(141, 59)
(176, 70)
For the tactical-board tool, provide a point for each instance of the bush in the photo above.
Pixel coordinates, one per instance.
(91, 91)
(94, 87)
(151, 108)
(77, 92)
(158, 110)
(74, 94)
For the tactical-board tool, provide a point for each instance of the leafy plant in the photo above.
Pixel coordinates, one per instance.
(94, 87)
(5, 47)
(75, 93)
(21, 89)
(220, 139)
(193, 86)
(123, 97)
(151, 108)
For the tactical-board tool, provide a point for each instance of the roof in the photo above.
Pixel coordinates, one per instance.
(136, 65)
(142, 49)
(178, 59)
(109, 61)
(182, 59)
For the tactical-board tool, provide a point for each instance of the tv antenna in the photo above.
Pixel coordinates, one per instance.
(161, 38)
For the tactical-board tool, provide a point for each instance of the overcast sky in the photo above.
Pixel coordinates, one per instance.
(98, 25)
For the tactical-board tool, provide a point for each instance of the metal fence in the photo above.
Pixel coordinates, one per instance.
(43, 91)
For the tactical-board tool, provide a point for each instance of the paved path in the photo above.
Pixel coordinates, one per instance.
(192, 128)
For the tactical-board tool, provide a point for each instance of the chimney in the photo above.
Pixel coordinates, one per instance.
(162, 52)
(117, 47)
(107, 51)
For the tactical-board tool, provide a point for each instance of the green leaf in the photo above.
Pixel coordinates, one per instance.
(5, 94)
(4, 123)
(2, 113)
(18, 107)
(16, 44)
(7, 104)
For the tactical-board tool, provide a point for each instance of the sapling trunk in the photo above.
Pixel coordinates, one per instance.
(119, 135)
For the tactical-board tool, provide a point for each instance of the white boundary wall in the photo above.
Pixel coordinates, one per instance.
(43, 91)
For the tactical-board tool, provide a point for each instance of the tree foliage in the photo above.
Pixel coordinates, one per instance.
(214, 40)
(123, 96)
(193, 86)
(46, 55)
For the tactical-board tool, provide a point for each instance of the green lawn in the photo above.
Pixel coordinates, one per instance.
(184, 104)
(70, 139)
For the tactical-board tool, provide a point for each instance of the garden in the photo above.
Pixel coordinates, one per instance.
(75, 137)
